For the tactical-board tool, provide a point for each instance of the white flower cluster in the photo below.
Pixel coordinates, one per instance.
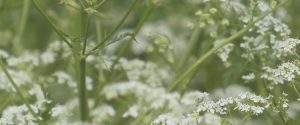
(245, 102)
(193, 119)
(192, 103)
(30, 58)
(286, 47)
(64, 78)
(20, 77)
(54, 50)
(17, 115)
(224, 51)
(233, 7)
(285, 72)
(65, 114)
(270, 23)
(260, 45)
(253, 45)
(249, 77)
(147, 72)
(263, 6)
(257, 106)
(27, 57)
(102, 113)
(155, 98)
(3, 54)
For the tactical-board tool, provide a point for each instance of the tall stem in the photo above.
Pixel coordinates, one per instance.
(83, 107)
(83, 100)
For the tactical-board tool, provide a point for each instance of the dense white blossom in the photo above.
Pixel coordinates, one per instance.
(102, 114)
(64, 78)
(271, 23)
(224, 51)
(249, 76)
(285, 72)
(286, 47)
(20, 78)
(148, 72)
(17, 115)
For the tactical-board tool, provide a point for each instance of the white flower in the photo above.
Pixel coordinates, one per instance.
(102, 113)
(165, 119)
(27, 57)
(3, 54)
(285, 72)
(192, 98)
(263, 6)
(17, 115)
(224, 52)
(249, 76)
(48, 57)
(285, 47)
(64, 78)
(133, 111)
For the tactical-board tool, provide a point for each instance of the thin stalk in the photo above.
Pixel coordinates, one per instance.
(98, 31)
(83, 99)
(245, 119)
(205, 56)
(296, 90)
(274, 102)
(53, 26)
(24, 18)
(5, 102)
(115, 29)
(122, 51)
(191, 44)
(18, 90)
(100, 4)
(101, 78)
(85, 26)
(196, 65)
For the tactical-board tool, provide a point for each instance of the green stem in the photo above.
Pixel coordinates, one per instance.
(274, 102)
(205, 56)
(195, 66)
(188, 50)
(100, 4)
(101, 78)
(25, 12)
(5, 101)
(83, 102)
(122, 51)
(54, 27)
(245, 119)
(18, 90)
(116, 28)
(85, 26)
(296, 90)
(24, 17)
(98, 31)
